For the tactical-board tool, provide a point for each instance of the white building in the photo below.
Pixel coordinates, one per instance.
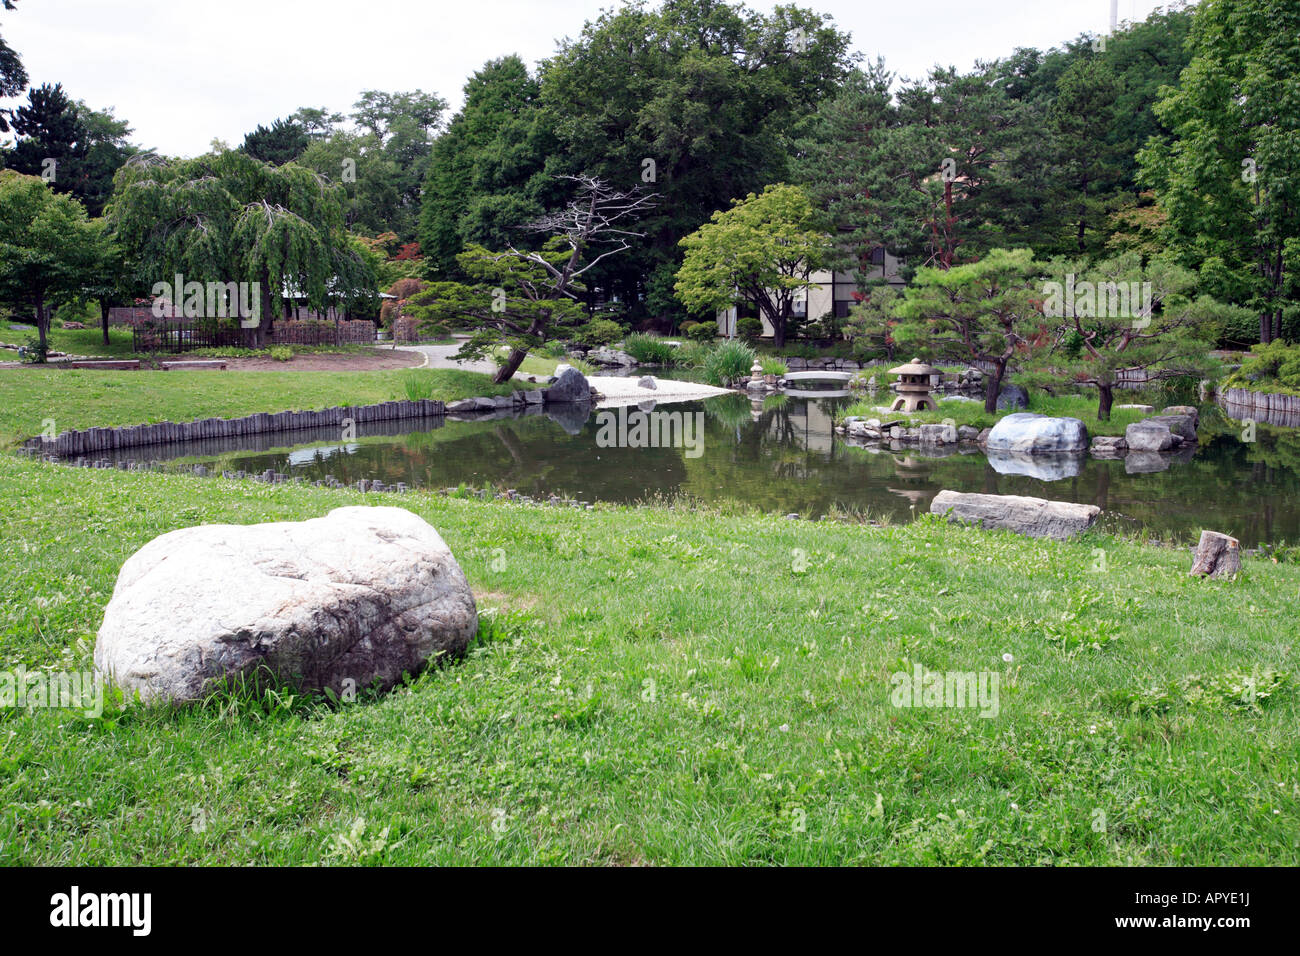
(832, 293)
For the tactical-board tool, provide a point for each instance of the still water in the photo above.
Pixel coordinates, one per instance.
(782, 455)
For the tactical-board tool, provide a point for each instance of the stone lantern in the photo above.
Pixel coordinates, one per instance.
(913, 387)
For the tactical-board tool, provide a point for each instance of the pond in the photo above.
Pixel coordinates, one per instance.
(782, 455)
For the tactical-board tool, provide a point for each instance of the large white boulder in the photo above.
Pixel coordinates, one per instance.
(1035, 434)
(347, 601)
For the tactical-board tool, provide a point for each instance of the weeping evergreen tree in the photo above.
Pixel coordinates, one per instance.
(228, 218)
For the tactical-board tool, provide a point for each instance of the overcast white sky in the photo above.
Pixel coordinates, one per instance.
(185, 71)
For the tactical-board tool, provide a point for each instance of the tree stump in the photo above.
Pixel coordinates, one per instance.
(1216, 555)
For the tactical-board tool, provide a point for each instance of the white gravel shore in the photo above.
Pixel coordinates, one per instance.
(620, 390)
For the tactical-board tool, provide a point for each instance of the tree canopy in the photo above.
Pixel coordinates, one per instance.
(226, 217)
(49, 250)
(763, 249)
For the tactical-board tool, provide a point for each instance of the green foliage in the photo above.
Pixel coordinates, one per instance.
(598, 332)
(418, 385)
(1121, 315)
(702, 332)
(762, 250)
(77, 148)
(728, 362)
(773, 365)
(648, 349)
(485, 176)
(281, 142)
(1228, 172)
(750, 329)
(709, 93)
(281, 353)
(380, 164)
(49, 251)
(1274, 367)
(226, 217)
(985, 311)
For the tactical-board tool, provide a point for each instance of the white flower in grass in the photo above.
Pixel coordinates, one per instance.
(1007, 658)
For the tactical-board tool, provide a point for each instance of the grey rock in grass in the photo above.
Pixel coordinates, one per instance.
(570, 387)
(360, 595)
(1144, 409)
(1036, 434)
(1149, 435)
(1033, 517)
(1012, 396)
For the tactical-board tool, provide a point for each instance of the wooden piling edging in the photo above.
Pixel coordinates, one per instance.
(98, 439)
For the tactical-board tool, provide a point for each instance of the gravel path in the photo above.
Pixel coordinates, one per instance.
(618, 390)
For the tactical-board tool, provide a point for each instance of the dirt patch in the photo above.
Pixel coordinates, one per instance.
(330, 362)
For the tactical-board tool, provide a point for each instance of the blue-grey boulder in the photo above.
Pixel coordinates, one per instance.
(571, 387)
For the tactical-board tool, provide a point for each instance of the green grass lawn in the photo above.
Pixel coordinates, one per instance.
(88, 341)
(670, 686)
(77, 398)
(1082, 407)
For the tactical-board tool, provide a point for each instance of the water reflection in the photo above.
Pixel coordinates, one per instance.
(780, 453)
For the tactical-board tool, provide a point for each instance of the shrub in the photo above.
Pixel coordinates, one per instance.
(281, 353)
(750, 329)
(1274, 364)
(773, 366)
(704, 332)
(599, 332)
(417, 387)
(728, 362)
(691, 355)
(648, 349)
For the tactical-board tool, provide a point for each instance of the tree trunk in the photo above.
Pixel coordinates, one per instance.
(992, 385)
(507, 371)
(42, 323)
(778, 329)
(260, 334)
(103, 317)
(1265, 327)
(1217, 555)
(1107, 399)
